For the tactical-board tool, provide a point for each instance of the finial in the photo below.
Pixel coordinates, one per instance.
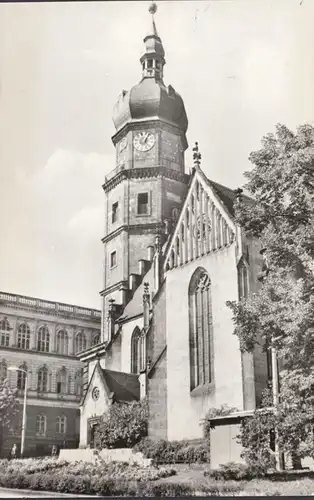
(196, 156)
(146, 288)
(152, 8)
(238, 193)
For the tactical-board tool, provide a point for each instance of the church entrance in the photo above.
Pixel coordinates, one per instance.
(93, 425)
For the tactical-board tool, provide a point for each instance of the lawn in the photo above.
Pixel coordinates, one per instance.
(295, 483)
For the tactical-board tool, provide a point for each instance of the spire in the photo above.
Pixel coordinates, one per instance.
(153, 60)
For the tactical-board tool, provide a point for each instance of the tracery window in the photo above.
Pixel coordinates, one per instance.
(200, 318)
(5, 332)
(62, 342)
(62, 381)
(3, 371)
(21, 376)
(61, 424)
(136, 351)
(80, 342)
(43, 339)
(41, 425)
(243, 280)
(42, 380)
(23, 336)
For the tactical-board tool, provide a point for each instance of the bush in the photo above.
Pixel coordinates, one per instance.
(233, 471)
(169, 452)
(123, 425)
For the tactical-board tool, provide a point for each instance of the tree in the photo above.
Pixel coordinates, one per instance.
(281, 313)
(9, 408)
(123, 425)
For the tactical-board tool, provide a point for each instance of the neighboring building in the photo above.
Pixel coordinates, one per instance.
(43, 338)
(173, 256)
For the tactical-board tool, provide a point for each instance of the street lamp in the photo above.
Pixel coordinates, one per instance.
(15, 369)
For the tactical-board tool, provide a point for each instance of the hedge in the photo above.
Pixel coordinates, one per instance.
(170, 452)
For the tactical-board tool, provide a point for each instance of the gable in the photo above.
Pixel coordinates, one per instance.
(99, 405)
(205, 224)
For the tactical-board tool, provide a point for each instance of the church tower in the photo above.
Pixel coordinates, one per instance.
(149, 183)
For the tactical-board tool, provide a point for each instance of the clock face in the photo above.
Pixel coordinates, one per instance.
(144, 141)
(123, 144)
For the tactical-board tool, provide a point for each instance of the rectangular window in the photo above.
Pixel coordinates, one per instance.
(150, 63)
(113, 259)
(142, 203)
(114, 217)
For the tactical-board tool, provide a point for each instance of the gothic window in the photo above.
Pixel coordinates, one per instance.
(243, 280)
(142, 204)
(61, 424)
(42, 381)
(21, 376)
(62, 381)
(80, 342)
(200, 318)
(136, 351)
(4, 332)
(114, 212)
(96, 339)
(23, 336)
(62, 342)
(78, 382)
(43, 339)
(113, 259)
(41, 425)
(3, 371)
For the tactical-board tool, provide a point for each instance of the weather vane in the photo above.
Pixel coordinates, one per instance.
(196, 156)
(152, 8)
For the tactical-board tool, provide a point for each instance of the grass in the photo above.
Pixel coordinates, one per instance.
(287, 484)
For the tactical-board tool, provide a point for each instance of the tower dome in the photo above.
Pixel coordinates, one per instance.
(151, 98)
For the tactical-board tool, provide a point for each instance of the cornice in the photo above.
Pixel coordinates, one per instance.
(123, 284)
(140, 228)
(142, 173)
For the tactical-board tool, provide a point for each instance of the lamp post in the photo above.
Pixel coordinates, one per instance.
(15, 369)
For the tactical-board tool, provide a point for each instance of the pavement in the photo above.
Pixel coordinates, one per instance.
(10, 493)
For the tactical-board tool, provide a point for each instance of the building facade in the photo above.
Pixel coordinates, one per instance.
(174, 256)
(43, 338)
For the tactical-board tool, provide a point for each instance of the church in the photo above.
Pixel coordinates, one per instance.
(173, 257)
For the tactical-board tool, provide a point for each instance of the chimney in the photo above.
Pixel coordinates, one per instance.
(133, 281)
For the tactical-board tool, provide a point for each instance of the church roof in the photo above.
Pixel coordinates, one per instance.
(226, 195)
(125, 386)
(135, 306)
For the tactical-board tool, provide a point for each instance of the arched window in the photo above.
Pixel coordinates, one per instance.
(62, 342)
(43, 339)
(200, 319)
(5, 332)
(23, 336)
(42, 381)
(3, 371)
(136, 351)
(61, 426)
(78, 383)
(62, 381)
(41, 425)
(96, 339)
(80, 342)
(243, 280)
(21, 376)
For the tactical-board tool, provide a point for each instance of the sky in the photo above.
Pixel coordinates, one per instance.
(240, 66)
